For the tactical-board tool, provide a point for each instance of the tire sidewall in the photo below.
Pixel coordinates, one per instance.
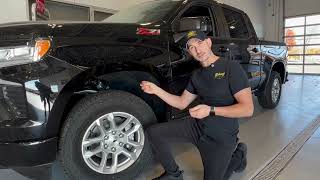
(274, 76)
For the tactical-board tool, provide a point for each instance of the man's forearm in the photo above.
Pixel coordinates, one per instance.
(172, 100)
(235, 111)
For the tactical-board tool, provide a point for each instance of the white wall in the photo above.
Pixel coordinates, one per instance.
(13, 10)
(301, 7)
(274, 20)
(255, 10)
(107, 4)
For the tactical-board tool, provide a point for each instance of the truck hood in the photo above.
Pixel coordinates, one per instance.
(18, 33)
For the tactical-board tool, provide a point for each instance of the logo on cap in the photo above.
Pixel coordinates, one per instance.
(191, 34)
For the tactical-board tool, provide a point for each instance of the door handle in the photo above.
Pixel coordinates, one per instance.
(223, 49)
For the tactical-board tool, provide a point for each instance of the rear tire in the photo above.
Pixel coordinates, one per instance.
(271, 97)
(87, 114)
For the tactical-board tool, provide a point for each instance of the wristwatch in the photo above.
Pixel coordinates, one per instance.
(212, 111)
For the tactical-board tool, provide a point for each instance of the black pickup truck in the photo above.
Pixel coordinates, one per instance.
(70, 90)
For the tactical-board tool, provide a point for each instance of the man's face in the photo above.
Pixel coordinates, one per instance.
(200, 50)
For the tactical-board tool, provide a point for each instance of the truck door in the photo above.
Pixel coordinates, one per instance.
(241, 45)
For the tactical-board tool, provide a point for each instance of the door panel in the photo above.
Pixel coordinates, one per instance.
(181, 73)
(241, 44)
(249, 56)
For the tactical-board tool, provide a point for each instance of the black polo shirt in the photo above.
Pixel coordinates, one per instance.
(215, 85)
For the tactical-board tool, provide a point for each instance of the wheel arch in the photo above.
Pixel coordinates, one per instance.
(280, 68)
(268, 67)
(86, 82)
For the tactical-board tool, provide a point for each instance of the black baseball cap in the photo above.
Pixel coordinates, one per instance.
(194, 34)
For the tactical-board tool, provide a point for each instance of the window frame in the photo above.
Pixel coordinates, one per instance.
(213, 16)
(103, 10)
(244, 20)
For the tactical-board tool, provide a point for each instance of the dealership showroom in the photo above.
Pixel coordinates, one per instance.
(159, 89)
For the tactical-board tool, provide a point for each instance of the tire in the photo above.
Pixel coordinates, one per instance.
(82, 123)
(267, 100)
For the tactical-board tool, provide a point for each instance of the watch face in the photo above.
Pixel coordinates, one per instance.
(212, 112)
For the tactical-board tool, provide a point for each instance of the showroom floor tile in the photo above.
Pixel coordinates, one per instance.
(266, 134)
(305, 165)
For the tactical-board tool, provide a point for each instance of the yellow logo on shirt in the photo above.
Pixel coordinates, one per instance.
(219, 75)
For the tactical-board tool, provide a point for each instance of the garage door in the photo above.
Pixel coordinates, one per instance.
(302, 35)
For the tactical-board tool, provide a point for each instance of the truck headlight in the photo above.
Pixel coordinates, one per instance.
(23, 54)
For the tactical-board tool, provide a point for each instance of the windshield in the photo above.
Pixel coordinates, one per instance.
(146, 12)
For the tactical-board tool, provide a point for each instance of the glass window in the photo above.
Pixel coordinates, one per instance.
(236, 24)
(295, 50)
(303, 43)
(313, 29)
(313, 49)
(295, 59)
(296, 31)
(312, 39)
(204, 12)
(315, 19)
(299, 21)
(311, 69)
(295, 69)
(292, 41)
(312, 59)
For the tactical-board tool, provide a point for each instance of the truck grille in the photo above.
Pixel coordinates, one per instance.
(13, 102)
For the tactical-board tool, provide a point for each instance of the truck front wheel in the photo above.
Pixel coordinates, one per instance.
(103, 137)
(271, 97)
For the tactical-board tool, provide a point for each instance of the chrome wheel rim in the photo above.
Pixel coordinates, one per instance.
(112, 143)
(275, 92)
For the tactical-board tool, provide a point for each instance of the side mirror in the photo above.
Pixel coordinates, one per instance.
(202, 23)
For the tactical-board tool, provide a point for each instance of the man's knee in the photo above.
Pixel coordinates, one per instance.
(153, 132)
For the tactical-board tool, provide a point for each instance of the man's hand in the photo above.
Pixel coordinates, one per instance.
(179, 102)
(149, 87)
(200, 111)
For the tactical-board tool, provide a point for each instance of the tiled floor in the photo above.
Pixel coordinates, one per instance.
(305, 165)
(266, 134)
(316, 134)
